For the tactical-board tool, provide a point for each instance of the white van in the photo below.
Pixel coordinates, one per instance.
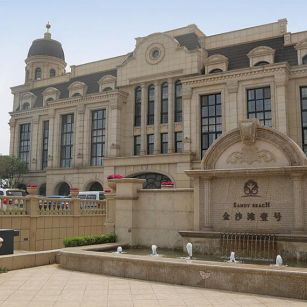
(95, 195)
(88, 196)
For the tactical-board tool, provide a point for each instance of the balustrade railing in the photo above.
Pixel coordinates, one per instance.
(39, 205)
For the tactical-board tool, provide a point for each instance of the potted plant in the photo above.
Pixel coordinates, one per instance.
(32, 188)
(167, 184)
(111, 182)
(74, 192)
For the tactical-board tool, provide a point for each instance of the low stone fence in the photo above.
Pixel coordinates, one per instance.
(44, 222)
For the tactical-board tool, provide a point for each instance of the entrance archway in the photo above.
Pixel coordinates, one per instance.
(153, 180)
(63, 189)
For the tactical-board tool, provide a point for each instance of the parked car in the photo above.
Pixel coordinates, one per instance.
(7, 198)
(90, 195)
(56, 204)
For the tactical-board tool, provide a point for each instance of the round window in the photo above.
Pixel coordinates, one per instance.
(155, 53)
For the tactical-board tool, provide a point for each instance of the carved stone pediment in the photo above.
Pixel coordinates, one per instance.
(248, 130)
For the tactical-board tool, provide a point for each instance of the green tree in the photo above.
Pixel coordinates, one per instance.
(12, 170)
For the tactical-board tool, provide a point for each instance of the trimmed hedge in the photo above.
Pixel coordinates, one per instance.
(89, 240)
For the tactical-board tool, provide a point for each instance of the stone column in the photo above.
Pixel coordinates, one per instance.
(170, 116)
(79, 139)
(34, 143)
(157, 146)
(126, 197)
(230, 110)
(143, 119)
(298, 202)
(51, 138)
(186, 108)
(114, 134)
(280, 103)
(198, 209)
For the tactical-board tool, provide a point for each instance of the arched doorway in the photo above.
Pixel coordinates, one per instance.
(63, 189)
(42, 189)
(153, 180)
(95, 186)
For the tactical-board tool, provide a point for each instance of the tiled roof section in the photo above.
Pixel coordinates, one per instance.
(189, 40)
(237, 54)
(48, 47)
(90, 80)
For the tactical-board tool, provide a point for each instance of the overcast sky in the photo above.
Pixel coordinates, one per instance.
(92, 30)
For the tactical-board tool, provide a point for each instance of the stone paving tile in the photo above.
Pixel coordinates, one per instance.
(52, 286)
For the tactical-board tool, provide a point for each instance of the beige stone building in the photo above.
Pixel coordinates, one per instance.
(154, 112)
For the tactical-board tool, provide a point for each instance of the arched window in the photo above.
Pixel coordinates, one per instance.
(52, 73)
(261, 63)
(26, 106)
(95, 186)
(164, 103)
(38, 74)
(107, 89)
(214, 71)
(137, 106)
(151, 105)
(63, 189)
(178, 101)
(304, 59)
(76, 95)
(42, 189)
(153, 180)
(49, 99)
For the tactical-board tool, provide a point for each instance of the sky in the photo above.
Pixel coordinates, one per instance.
(91, 30)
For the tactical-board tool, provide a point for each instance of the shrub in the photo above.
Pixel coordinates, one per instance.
(89, 240)
(3, 270)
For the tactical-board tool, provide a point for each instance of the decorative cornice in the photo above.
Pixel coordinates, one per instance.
(238, 74)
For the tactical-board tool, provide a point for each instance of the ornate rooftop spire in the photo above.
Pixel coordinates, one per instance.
(47, 34)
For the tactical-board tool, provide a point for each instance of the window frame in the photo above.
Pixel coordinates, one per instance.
(211, 131)
(264, 119)
(98, 131)
(164, 104)
(164, 143)
(303, 111)
(45, 144)
(137, 106)
(150, 144)
(178, 102)
(38, 73)
(137, 145)
(178, 149)
(151, 105)
(66, 160)
(24, 148)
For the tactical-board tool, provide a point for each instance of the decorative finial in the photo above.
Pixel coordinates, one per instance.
(48, 26)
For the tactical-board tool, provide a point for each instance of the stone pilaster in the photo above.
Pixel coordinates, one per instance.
(126, 196)
(51, 117)
(231, 106)
(34, 144)
(13, 138)
(186, 108)
(298, 202)
(143, 119)
(79, 139)
(207, 225)
(170, 116)
(114, 134)
(281, 103)
(157, 145)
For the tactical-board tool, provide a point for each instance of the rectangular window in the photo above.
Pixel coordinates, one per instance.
(67, 139)
(164, 143)
(45, 144)
(137, 106)
(211, 120)
(98, 136)
(150, 144)
(25, 142)
(137, 145)
(151, 105)
(259, 105)
(178, 102)
(164, 103)
(178, 141)
(303, 92)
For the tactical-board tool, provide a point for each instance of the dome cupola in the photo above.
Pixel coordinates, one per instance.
(45, 58)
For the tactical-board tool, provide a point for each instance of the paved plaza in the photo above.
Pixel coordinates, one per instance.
(52, 286)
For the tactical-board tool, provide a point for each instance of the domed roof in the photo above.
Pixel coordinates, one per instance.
(47, 46)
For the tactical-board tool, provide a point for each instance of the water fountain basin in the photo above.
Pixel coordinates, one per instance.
(259, 279)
